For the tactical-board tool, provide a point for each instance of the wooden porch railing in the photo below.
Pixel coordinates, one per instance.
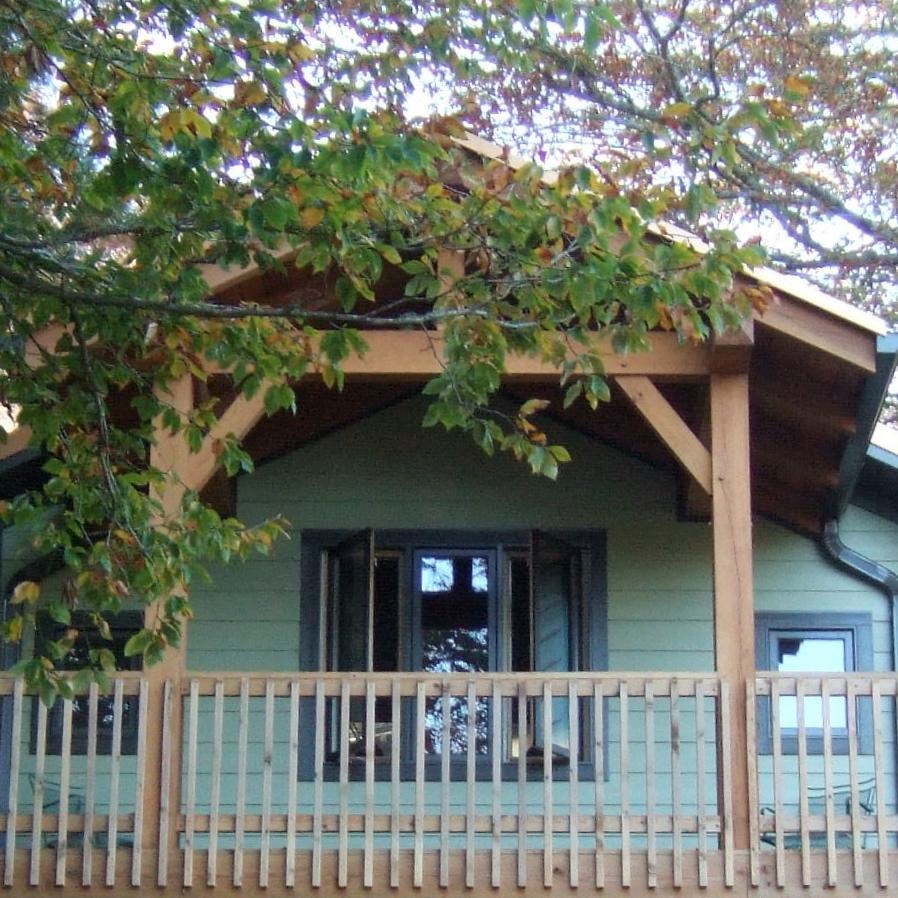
(450, 770)
(406, 780)
(822, 774)
(426, 782)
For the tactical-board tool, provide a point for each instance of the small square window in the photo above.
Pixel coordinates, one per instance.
(798, 643)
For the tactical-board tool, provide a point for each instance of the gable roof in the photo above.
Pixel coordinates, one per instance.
(819, 369)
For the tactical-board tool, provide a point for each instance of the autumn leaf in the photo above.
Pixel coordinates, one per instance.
(249, 93)
(796, 87)
(26, 592)
(311, 217)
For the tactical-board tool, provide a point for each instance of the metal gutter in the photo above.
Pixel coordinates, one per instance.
(869, 405)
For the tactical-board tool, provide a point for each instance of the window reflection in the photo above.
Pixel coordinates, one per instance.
(817, 653)
(455, 591)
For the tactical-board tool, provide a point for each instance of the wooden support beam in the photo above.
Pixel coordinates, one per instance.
(731, 352)
(417, 355)
(833, 336)
(169, 454)
(734, 627)
(170, 451)
(670, 427)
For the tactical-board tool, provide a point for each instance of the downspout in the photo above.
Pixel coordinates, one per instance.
(865, 569)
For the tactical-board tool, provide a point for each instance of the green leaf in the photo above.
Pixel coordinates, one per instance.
(559, 453)
(279, 396)
(138, 643)
(277, 212)
(572, 393)
(390, 253)
(59, 612)
(346, 292)
(416, 266)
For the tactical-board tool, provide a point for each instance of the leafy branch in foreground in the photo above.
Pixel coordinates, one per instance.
(145, 146)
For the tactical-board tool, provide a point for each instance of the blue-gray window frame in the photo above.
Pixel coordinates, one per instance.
(316, 543)
(858, 627)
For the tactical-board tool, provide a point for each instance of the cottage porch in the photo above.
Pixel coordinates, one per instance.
(213, 791)
(191, 778)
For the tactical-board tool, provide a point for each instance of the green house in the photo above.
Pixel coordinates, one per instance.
(672, 670)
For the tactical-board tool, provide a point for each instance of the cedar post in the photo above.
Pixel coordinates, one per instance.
(168, 454)
(733, 581)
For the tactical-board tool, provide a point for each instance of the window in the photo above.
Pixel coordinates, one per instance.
(796, 643)
(456, 602)
(122, 626)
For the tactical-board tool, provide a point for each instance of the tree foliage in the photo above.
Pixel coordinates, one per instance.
(140, 141)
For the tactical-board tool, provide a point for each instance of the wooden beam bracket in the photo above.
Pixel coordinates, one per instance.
(238, 419)
(664, 419)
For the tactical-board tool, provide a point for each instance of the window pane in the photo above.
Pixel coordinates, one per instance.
(811, 653)
(479, 575)
(454, 612)
(437, 575)
(455, 592)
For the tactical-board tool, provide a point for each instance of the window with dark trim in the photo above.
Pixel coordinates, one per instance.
(458, 601)
(121, 626)
(814, 643)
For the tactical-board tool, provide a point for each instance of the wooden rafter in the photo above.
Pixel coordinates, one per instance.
(667, 423)
(833, 336)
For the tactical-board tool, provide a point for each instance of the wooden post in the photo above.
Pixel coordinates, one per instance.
(733, 581)
(169, 454)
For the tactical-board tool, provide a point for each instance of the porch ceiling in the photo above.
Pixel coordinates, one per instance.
(805, 391)
(810, 361)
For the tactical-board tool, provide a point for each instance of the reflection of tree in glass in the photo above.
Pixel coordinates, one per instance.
(445, 574)
(457, 650)
(437, 574)
(479, 575)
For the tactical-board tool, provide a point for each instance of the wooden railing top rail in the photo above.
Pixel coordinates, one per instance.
(837, 684)
(506, 685)
(509, 684)
(130, 679)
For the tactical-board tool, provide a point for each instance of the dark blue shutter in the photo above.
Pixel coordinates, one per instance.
(554, 585)
(353, 597)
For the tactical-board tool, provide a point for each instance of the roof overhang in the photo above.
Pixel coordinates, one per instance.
(818, 370)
